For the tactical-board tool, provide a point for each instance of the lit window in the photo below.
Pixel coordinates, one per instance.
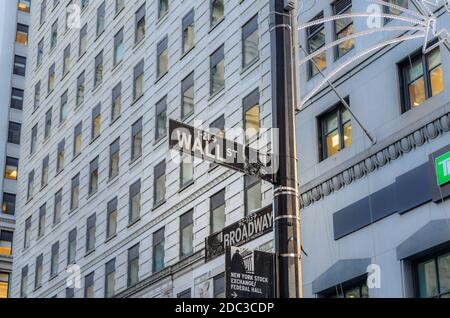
(336, 131)
(11, 169)
(343, 27)
(6, 238)
(4, 284)
(22, 34)
(251, 116)
(315, 42)
(24, 5)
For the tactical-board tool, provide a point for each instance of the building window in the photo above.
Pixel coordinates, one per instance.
(72, 247)
(84, 4)
(114, 159)
(136, 140)
(24, 282)
(336, 131)
(118, 47)
(64, 107)
(187, 96)
(315, 42)
(4, 285)
(159, 184)
(75, 192)
(217, 127)
(116, 102)
(9, 203)
(135, 202)
(16, 98)
(54, 35)
(219, 286)
(33, 139)
(41, 221)
(101, 18)
(83, 41)
(161, 119)
(133, 266)
(51, 79)
(185, 294)
(163, 8)
(30, 188)
(48, 124)
(186, 170)
(38, 272)
(27, 233)
(110, 278)
(93, 176)
(348, 290)
(186, 234)
(252, 194)
(20, 63)
(188, 36)
(138, 82)
(120, 5)
(60, 156)
(433, 277)
(90, 233)
(44, 175)
(96, 122)
(40, 53)
(251, 116)
(217, 12)
(54, 260)
(43, 12)
(250, 42)
(158, 250)
(98, 77)
(14, 133)
(422, 78)
(6, 239)
(139, 33)
(89, 286)
(80, 89)
(217, 208)
(162, 63)
(24, 5)
(37, 95)
(66, 61)
(217, 61)
(57, 208)
(22, 34)
(11, 168)
(111, 219)
(343, 27)
(70, 292)
(77, 139)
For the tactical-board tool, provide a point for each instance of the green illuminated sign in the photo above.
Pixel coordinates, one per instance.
(443, 169)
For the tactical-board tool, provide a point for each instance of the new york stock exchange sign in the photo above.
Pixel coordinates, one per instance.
(247, 229)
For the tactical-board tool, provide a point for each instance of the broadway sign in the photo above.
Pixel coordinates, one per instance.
(239, 233)
(213, 148)
(249, 274)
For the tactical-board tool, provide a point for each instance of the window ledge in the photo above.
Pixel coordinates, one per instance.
(88, 253)
(183, 55)
(117, 67)
(75, 157)
(94, 140)
(97, 88)
(161, 76)
(99, 35)
(136, 100)
(137, 161)
(118, 12)
(186, 186)
(115, 121)
(158, 205)
(132, 223)
(137, 45)
(213, 27)
(112, 180)
(188, 117)
(81, 56)
(212, 98)
(92, 196)
(109, 239)
(160, 20)
(158, 142)
(250, 67)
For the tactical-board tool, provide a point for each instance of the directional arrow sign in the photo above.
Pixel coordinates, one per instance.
(213, 148)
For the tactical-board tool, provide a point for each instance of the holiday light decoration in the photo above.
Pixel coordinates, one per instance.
(422, 23)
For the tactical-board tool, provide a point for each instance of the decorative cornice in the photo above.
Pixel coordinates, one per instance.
(377, 160)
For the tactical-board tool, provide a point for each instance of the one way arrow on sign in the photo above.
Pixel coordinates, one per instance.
(227, 153)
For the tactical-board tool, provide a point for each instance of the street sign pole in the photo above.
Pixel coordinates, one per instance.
(286, 195)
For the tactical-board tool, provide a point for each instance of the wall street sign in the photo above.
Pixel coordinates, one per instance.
(249, 274)
(213, 148)
(239, 233)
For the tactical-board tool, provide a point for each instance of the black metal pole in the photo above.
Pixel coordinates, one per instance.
(286, 199)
